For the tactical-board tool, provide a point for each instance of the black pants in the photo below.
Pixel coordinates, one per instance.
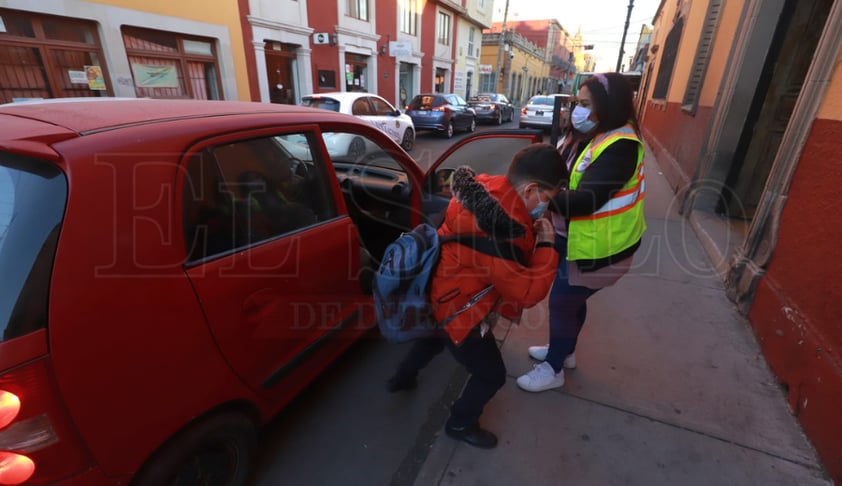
(479, 355)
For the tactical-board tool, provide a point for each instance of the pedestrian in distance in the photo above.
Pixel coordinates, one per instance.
(505, 210)
(598, 220)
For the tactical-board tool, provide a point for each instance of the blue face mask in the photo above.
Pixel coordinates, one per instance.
(539, 210)
(580, 119)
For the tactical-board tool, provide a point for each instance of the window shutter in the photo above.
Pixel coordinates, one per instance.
(702, 58)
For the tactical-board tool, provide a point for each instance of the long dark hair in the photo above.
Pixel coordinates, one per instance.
(614, 105)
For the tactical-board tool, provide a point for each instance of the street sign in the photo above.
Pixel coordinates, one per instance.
(321, 38)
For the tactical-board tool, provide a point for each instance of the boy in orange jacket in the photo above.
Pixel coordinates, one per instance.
(509, 210)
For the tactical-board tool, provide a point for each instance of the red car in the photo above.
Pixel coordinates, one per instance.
(174, 272)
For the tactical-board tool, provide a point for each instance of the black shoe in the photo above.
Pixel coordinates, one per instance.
(396, 384)
(473, 435)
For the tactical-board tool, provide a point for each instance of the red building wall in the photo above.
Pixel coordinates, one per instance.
(387, 27)
(324, 57)
(429, 17)
(675, 138)
(797, 310)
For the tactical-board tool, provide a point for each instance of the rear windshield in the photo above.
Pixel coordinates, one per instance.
(32, 199)
(323, 103)
(425, 102)
(482, 98)
(541, 100)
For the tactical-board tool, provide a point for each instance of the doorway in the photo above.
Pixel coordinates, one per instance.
(406, 89)
(790, 55)
(280, 70)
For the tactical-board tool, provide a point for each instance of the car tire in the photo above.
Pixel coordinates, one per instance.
(356, 148)
(472, 127)
(220, 449)
(408, 140)
(511, 115)
(448, 130)
(499, 117)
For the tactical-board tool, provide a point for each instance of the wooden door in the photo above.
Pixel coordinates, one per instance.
(280, 75)
(795, 44)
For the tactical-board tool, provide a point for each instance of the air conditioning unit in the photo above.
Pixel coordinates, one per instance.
(321, 38)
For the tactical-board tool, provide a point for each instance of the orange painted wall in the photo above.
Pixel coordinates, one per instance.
(220, 12)
(676, 139)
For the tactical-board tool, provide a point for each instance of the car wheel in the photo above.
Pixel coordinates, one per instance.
(408, 140)
(499, 117)
(218, 450)
(356, 148)
(473, 126)
(511, 115)
(448, 130)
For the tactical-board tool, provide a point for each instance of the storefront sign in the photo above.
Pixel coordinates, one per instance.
(485, 68)
(77, 77)
(400, 48)
(155, 76)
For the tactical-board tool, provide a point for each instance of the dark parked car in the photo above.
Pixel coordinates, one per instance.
(173, 272)
(493, 107)
(444, 113)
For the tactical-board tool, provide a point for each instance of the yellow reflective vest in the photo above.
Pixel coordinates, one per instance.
(619, 223)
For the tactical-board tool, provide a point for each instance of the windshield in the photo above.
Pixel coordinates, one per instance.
(541, 100)
(32, 199)
(424, 102)
(323, 103)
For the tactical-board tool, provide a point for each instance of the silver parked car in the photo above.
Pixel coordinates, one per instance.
(538, 111)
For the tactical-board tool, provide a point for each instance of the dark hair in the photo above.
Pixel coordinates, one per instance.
(614, 107)
(540, 163)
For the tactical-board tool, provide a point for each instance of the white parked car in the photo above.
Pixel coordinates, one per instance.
(369, 107)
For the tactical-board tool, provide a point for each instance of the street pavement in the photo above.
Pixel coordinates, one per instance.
(670, 389)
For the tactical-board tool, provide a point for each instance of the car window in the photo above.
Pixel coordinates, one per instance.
(502, 99)
(361, 107)
(541, 100)
(33, 195)
(381, 107)
(480, 99)
(459, 100)
(425, 102)
(356, 149)
(321, 102)
(244, 192)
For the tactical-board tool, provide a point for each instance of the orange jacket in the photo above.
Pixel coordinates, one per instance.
(488, 206)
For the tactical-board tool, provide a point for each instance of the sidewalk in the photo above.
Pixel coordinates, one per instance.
(670, 389)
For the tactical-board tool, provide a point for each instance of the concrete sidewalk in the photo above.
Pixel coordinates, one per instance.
(670, 388)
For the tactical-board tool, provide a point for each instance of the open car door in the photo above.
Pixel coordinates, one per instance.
(486, 152)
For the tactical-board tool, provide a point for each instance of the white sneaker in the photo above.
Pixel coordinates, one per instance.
(540, 353)
(541, 378)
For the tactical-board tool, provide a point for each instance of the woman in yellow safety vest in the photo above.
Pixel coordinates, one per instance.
(598, 221)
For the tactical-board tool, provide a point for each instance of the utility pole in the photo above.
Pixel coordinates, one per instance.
(623, 42)
(500, 49)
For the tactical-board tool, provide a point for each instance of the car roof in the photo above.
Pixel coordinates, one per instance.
(90, 115)
(342, 95)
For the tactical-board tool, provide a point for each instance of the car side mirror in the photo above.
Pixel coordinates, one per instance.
(396, 113)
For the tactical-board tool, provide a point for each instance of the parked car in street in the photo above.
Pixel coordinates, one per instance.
(370, 108)
(538, 111)
(493, 107)
(176, 271)
(444, 113)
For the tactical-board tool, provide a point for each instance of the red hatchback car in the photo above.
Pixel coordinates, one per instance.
(174, 272)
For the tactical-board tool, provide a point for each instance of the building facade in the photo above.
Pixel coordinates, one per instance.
(61, 48)
(742, 109)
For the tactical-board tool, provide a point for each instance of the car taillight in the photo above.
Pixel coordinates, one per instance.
(15, 468)
(38, 444)
(9, 407)
(438, 108)
(523, 111)
(493, 106)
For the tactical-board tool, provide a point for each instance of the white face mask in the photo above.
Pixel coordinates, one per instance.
(539, 210)
(580, 119)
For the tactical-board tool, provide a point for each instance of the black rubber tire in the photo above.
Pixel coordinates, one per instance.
(448, 130)
(499, 118)
(229, 443)
(472, 127)
(408, 140)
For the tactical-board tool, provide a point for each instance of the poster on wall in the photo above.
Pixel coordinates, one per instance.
(96, 81)
(154, 76)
